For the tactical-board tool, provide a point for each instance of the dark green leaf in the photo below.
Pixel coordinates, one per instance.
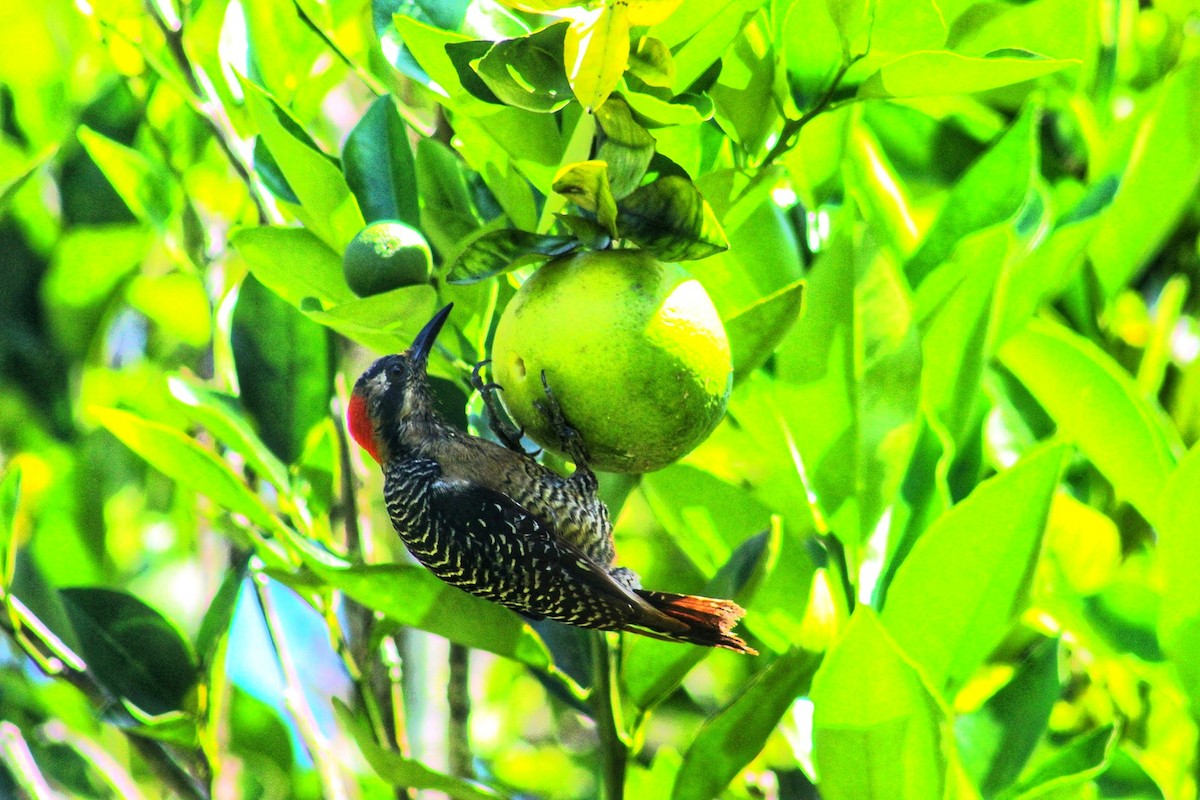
(501, 251)
(379, 166)
(462, 54)
(447, 216)
(672, 220)
(997, 740)
(1075, 764)
(406, 772)
(625, 146)
(284, 368)
(731, 740)
(590, 233)
(131, 649)
(219, 616)
(528, 72)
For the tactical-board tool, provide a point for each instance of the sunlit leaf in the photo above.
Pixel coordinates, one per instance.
(625, 146)
(878, 730)
(756, 330)
(147, 188)
(967, 578)
(447, 215)
(945, 72)
(597, 52)
(528, 72)
(293, 263)
(1097, 406)
(586, 185)
(651, 62)
(1178, 547)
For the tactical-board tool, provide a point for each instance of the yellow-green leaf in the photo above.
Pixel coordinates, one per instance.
(596, 52)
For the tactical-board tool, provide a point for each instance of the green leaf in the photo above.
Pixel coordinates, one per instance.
(651, 62)
(672, 220)
(1158, 185)
(131, 649)
(1096, 405)
(186, 462)
(427, 43)
(146, 187)
(331, 210)
(755, 331)
(877, 728)
(10, 493)
(812, 51)
(447, 216)
(222, 415)
(406, 772)
(284, 365)
(944, 72)
(586, 185)
(384, 322)
(379, 166)
(462, 55)
(654, 669)
(731, 740)
(528, 72)
(997, 740)
(1178, 549)
(293, 263)
(625, 146)
(967, 578)
(596, 50)
(744, 94)
(411, 595)
(504, 250)
(1077, 763)
(214, 627)
(12, 179)
(682, 110)
(992, 191)
(698, 33)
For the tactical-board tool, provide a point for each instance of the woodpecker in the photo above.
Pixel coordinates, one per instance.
(494, 522)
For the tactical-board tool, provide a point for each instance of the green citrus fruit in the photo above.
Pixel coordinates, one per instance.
(384, 256)
(632, 348)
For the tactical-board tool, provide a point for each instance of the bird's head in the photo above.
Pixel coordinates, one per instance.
(391, 406)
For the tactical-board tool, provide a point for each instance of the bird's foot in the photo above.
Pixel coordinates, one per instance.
(568, 437)
(498, 421)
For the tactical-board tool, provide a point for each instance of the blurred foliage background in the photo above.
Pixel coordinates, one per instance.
(957, 494)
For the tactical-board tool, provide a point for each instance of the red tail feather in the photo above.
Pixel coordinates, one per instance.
(709, 620)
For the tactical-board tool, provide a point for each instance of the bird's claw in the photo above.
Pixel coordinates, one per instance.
(568, 437)
(504, 430)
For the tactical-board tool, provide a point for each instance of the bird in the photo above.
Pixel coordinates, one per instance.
(494, 522)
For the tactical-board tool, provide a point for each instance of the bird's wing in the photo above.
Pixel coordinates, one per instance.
(510, 555)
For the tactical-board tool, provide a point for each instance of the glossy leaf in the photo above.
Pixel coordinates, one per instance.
(945, 72)
(811, 50)
(672, 220)
(597, 52)
(877, 728)
(730, 740)
(427, 44)
(586, 185)
(410, 595)
(379, 165)
(1159, 182)
(967, 578)
(528, 72)
(1097, 406)
(134, 652)
(447, 215)
(385, 323)
(504, 250)
(284, 364)
(293, 263)
(651, 62)
(332, 211)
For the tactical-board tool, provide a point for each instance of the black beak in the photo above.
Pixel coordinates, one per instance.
(419, 352)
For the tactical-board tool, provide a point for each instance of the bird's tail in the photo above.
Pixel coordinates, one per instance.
(709, 621)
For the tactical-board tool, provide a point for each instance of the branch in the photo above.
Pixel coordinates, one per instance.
(792, 127)
(458, 696)
(606, 711)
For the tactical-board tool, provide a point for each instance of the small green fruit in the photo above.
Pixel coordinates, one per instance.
(384, 256)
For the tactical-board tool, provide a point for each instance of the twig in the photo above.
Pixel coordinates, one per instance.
(792, 127)
(332, 784)
(606, 710)
(458, 697)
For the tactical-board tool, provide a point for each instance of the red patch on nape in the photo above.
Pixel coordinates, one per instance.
(361, 427)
